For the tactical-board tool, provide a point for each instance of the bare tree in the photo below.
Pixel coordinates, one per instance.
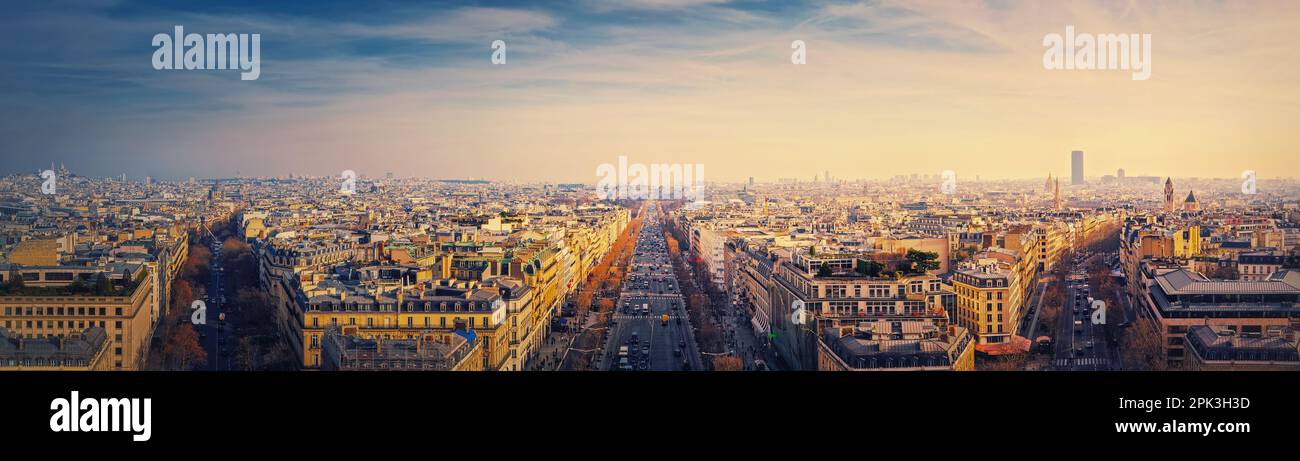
(1142, 347)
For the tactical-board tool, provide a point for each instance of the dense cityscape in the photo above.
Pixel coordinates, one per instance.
(915, 272)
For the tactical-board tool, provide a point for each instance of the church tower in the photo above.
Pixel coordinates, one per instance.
(1169, 195)
(1058, 194)
(1191, 204)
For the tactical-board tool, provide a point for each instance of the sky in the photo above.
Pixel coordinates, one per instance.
(888, 88)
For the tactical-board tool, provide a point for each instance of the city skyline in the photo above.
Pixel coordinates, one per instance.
(1121, 173)
(886, 86)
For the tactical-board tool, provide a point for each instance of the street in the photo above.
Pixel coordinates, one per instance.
(212, 333)
(651, 330)
(1081, 345)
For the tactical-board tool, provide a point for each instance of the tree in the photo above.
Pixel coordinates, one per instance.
(102, 285)
(183, 348)
(1008, 362)
(182, 294)
(824, 270)
(869, 268)
(1143, 347)
(922, 261)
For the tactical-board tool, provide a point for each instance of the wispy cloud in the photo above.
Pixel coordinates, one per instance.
(464, 25)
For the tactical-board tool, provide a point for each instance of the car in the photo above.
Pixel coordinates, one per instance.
(1088, 344)
(645, 350)
(677, 352)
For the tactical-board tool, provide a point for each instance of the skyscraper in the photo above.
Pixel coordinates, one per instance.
(1076, 167)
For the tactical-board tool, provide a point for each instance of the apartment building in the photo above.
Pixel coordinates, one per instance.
(1175, 300)
(840, 296)
(64, 301)
(989, 299)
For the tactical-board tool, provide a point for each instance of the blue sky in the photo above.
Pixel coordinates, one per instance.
(409, 87)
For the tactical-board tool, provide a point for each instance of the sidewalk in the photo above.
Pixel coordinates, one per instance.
(1037, 306)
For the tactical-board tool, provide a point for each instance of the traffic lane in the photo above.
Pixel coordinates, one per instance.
(622, 336)
(661, 348)
(1065, 347)
(665, 338)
